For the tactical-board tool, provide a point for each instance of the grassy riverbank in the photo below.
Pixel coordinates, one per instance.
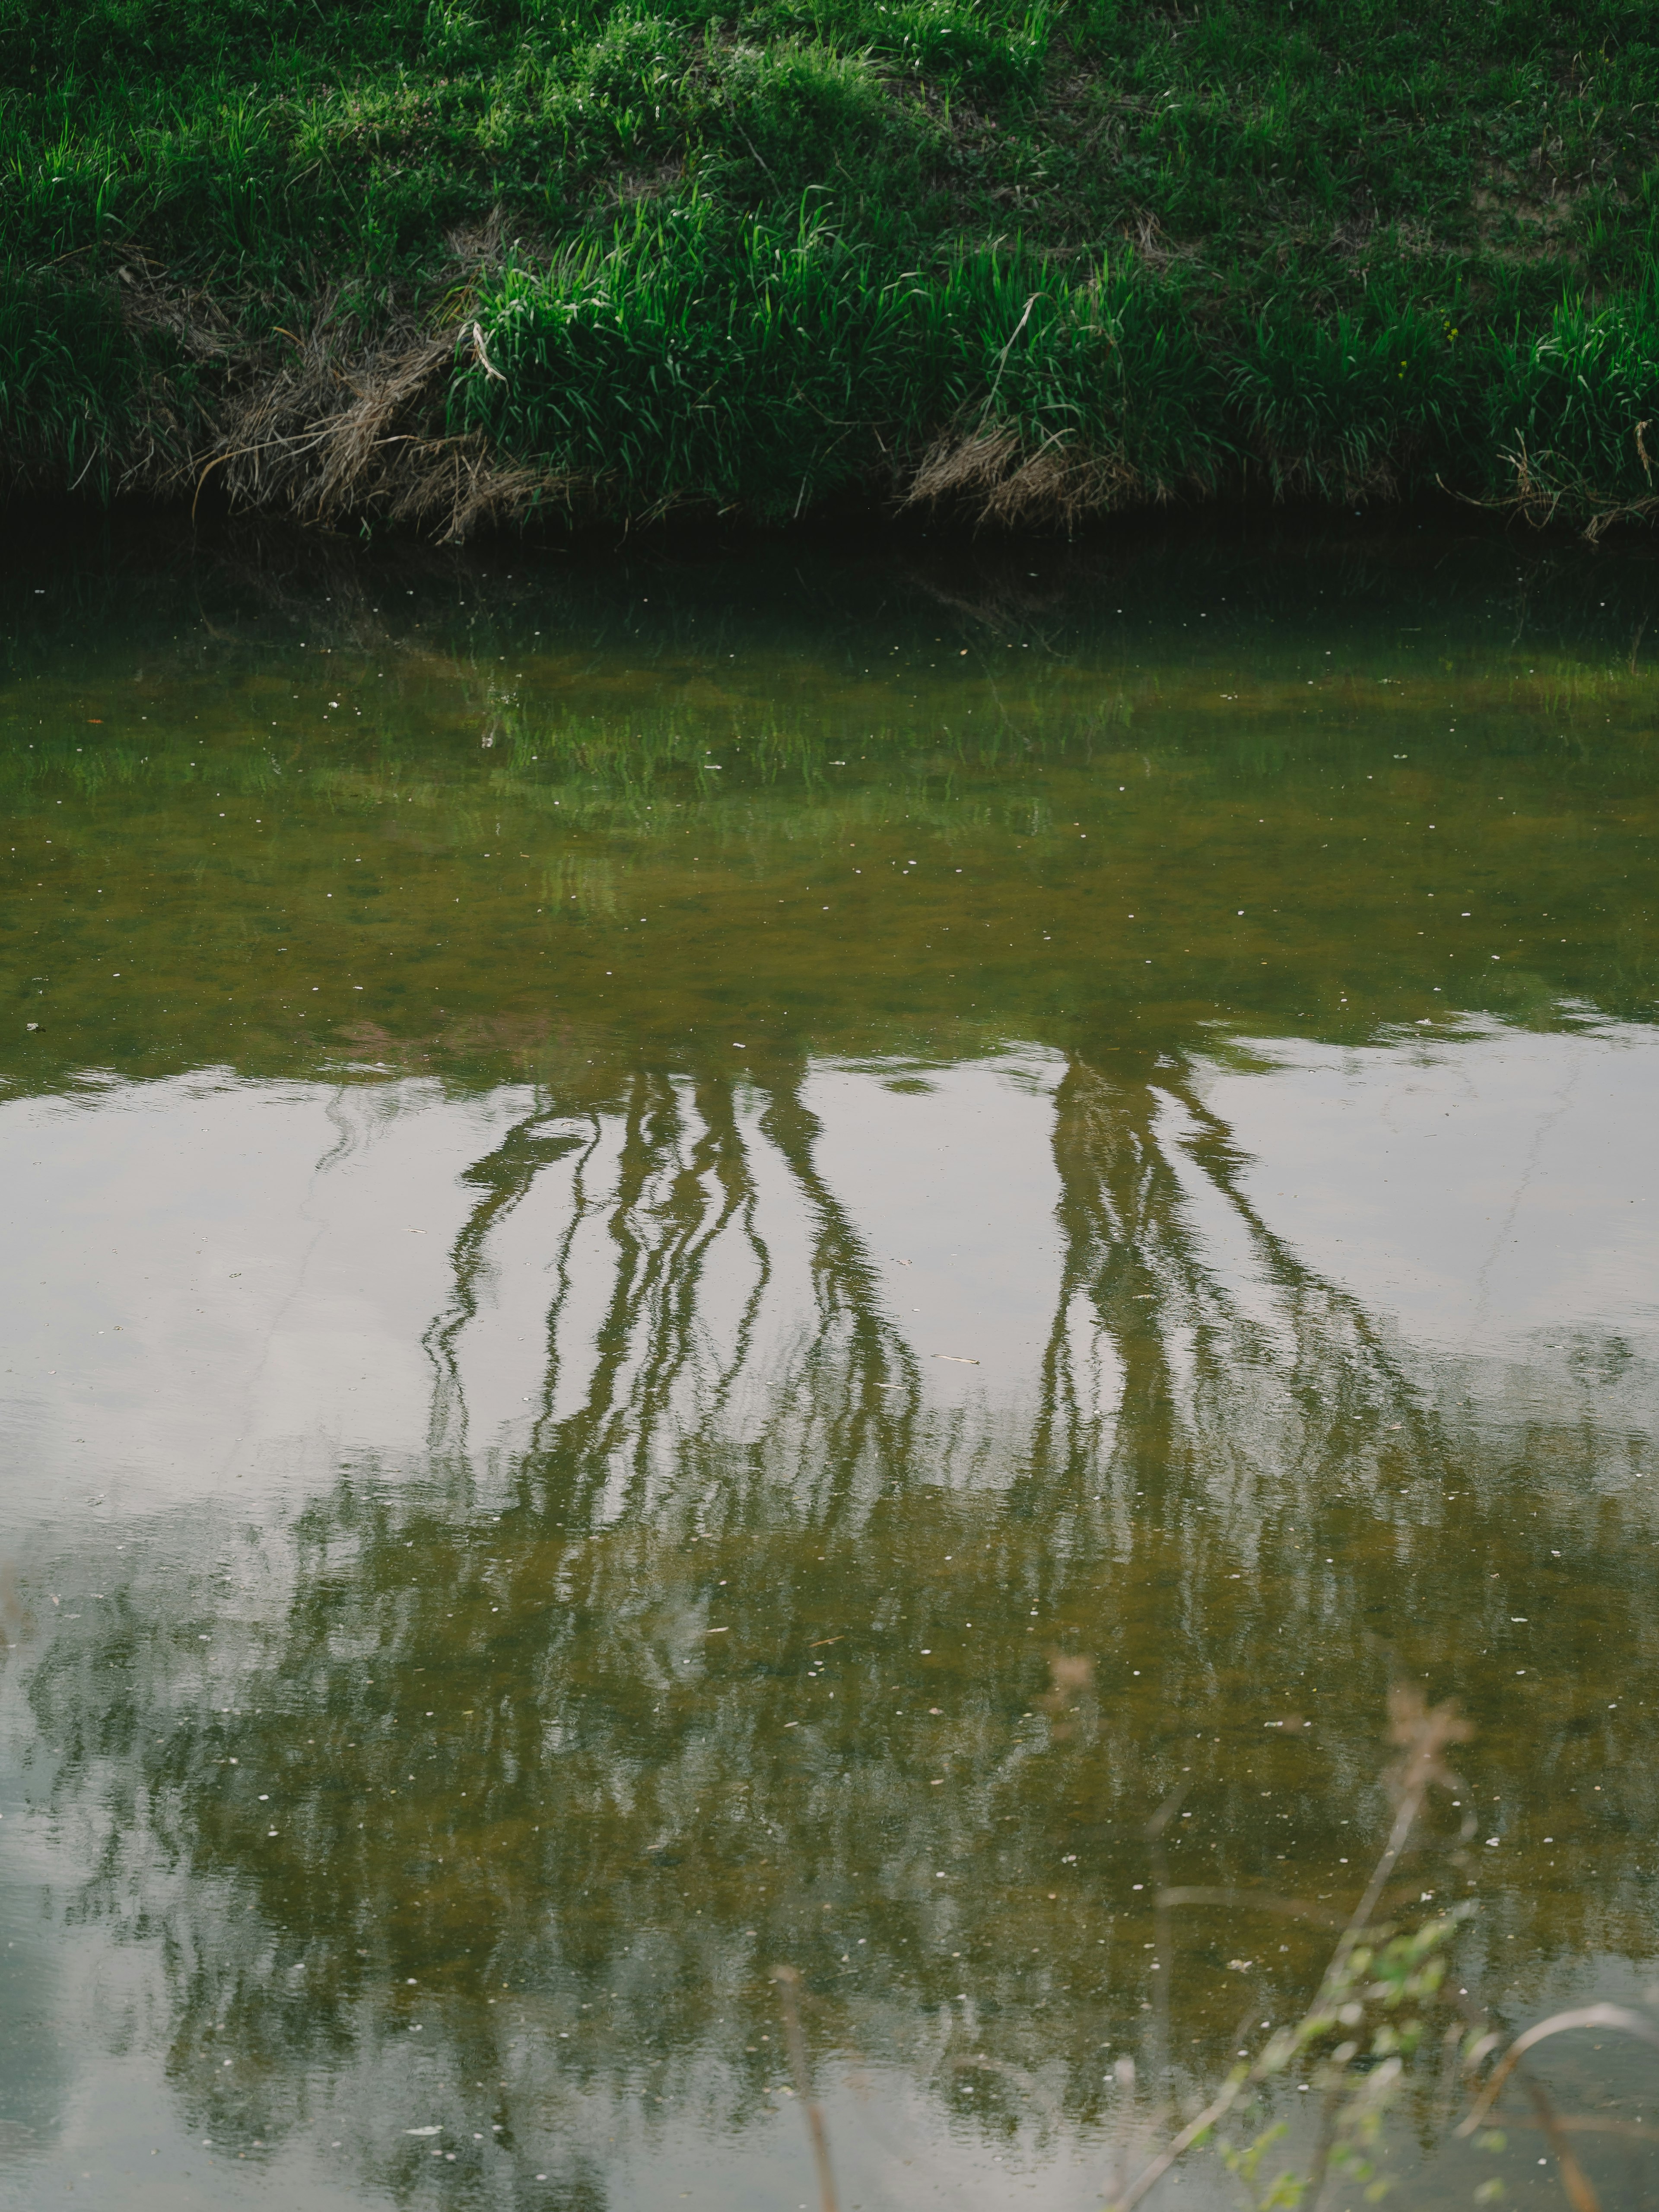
(445, 264)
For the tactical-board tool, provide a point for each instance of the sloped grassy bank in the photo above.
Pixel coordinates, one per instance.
(443, 264)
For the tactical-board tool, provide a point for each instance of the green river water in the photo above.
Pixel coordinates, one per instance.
(904, 1224)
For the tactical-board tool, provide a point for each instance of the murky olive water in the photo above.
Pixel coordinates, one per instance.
(880, 1219)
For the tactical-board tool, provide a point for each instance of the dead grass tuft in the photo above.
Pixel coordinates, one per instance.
(1545, 489)
(991, 475)
(334, 431)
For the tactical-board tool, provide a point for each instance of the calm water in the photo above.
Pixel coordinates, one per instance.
(875, 1216)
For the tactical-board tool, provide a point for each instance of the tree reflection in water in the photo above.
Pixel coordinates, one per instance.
(748, 1653)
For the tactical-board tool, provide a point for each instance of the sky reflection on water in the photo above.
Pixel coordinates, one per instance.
(839, 1425)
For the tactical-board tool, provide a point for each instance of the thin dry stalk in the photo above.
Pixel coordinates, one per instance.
(1575, 2182)
(1422, 1735)
(789, 1981)
(1574, 2179)
(1614, 2016)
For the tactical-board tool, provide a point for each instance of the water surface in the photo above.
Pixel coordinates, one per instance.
(876, 1216)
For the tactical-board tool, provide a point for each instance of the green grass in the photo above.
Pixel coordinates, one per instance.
(698, 356)
(758, 258)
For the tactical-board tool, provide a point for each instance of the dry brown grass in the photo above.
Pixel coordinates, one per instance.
(328, 423)
(992, 476)
(1544, 489)
(333, 431)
